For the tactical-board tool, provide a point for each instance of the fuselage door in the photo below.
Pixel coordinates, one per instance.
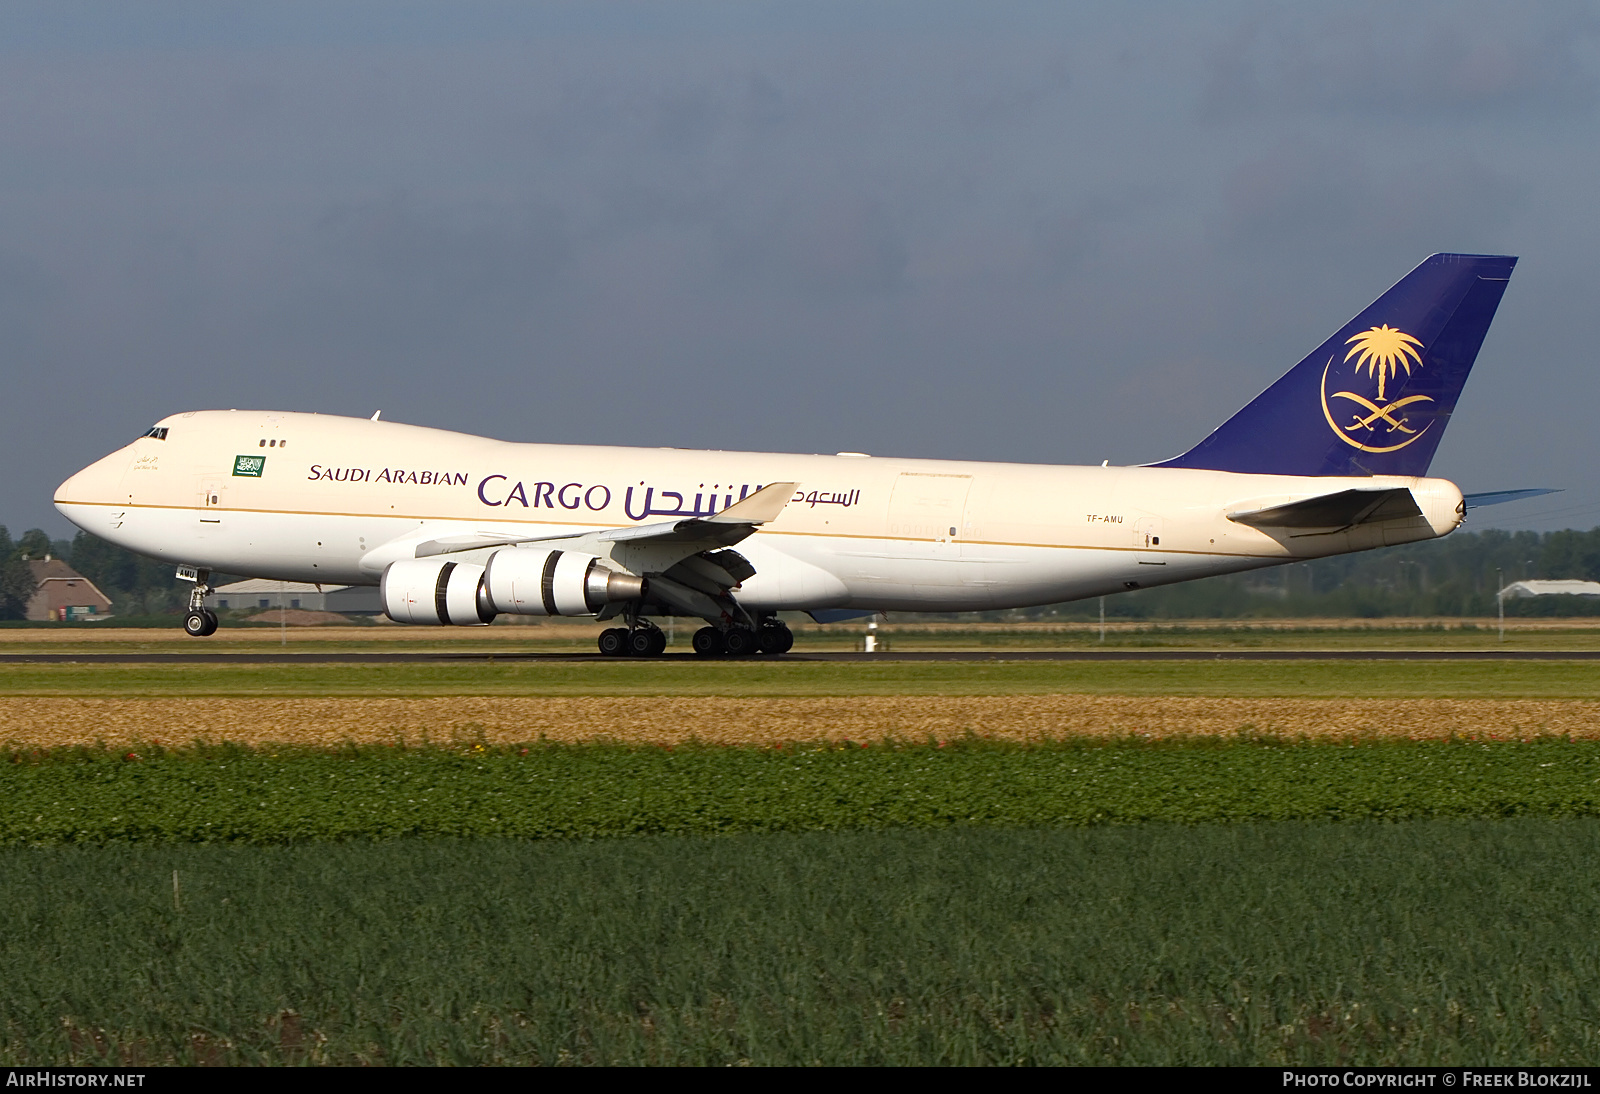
(1147, 533)
(1147, 541)
(210, 498)
(928, 507)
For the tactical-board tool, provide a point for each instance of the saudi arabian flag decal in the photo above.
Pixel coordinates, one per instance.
(249, 466)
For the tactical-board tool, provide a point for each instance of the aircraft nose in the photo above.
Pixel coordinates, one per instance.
(99, 483)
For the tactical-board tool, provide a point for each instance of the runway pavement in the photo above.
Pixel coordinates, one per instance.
(310, 657)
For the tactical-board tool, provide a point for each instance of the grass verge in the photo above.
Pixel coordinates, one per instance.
(1411, 679)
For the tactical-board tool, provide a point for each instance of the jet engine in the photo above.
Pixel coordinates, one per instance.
(430, 591)
(542, 581)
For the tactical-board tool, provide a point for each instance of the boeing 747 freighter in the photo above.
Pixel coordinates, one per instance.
(457, 529)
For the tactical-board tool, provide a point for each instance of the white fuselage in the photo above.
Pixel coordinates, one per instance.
(336, 499)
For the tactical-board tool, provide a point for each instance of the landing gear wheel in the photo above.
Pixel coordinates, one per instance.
(776, 638)
(707, 642)
(614, 642)
(200, 623)
(647, 642)
(742, 642)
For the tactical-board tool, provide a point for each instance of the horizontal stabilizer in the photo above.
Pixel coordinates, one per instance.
(1341, 510)
(1500, 497)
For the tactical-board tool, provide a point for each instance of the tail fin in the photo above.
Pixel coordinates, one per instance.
(1375, 398)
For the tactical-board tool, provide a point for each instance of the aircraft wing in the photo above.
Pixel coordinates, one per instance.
(447, 545)
(722, 529)
(1344, 509)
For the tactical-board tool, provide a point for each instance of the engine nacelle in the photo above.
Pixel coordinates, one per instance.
(542, 581)
(429, 591)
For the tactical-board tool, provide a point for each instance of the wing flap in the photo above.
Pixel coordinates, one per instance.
(446, 545)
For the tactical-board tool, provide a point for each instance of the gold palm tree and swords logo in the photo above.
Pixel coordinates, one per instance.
(1376, 425)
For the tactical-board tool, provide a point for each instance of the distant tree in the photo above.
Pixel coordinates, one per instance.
(135, 584)
(16, 579)
(1571, 554)
(34, 543)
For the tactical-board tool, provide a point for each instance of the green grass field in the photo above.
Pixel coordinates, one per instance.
(1460, 679)
(1415, 943)
(559, 791)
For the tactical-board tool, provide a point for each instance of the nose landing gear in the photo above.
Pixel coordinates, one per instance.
(200, 621)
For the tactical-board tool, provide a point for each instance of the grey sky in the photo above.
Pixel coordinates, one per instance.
(1016, 232)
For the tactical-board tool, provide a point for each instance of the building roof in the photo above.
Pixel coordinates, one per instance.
(1541, 587)
(47, 569)
(59, 586)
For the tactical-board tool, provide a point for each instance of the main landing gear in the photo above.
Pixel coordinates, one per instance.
(770, 637)
(200, 621)
(644, 639)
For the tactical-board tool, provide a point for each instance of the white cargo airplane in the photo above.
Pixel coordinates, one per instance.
(459, 529)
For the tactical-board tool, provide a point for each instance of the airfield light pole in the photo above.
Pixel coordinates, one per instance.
(1500, 600)
(283, 615)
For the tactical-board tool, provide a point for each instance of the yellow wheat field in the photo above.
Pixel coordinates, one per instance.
(49, 722)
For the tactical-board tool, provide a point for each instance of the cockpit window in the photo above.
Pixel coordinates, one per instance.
(159, 432)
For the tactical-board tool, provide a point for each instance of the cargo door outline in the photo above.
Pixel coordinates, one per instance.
(926, 512)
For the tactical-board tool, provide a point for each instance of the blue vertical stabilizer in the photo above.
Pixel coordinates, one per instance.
(1374, 399)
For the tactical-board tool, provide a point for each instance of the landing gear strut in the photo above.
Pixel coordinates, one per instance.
(200, 621)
